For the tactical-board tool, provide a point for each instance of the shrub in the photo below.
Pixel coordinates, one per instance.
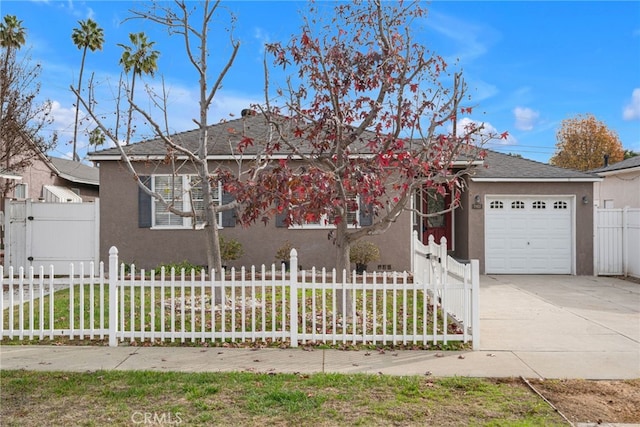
(284, 251)
(364, 252)
(178, 266)
(230, 249)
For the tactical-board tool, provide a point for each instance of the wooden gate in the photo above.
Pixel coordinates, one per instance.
(44, 234)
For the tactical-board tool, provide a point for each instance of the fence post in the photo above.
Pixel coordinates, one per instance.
(113, 296)
(475, 304)
(293, 297)
(625, 241)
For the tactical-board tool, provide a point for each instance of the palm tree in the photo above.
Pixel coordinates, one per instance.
(140, 58)
(88, 36)
(11, 32)
(12, 36)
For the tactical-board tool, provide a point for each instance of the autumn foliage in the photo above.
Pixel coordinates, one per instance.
(368, 115)
(582, 143)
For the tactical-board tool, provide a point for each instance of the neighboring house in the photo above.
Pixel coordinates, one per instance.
(516, 216)
(620, 186)
(52, 179)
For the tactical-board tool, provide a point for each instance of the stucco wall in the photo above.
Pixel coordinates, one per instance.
(583, 217)
(623, 189)
(149, 248)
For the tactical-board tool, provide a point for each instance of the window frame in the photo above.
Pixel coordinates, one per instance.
(186, 199)
(323, 222)
(25, 187)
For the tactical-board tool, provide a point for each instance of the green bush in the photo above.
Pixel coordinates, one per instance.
(186, 265)
(230, 249)
(284, 251)
(364, 252)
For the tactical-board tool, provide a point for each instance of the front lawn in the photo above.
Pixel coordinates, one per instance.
(129, 398)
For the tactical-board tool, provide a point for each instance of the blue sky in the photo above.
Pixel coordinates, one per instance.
(529, 65)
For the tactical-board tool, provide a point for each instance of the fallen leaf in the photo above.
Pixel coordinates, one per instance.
(461, 356)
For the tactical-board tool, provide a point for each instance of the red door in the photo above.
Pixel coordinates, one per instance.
(440, 225)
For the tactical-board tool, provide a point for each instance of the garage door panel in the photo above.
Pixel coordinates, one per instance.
(528, 235)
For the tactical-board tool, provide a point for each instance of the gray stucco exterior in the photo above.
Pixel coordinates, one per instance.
(499, 175)
(147, 247)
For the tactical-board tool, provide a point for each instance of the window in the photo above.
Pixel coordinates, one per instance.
(496, 204)
(326, 221)
(21, 191)
(539, 205)
(185, 193)
(517, 205)
(560, 205)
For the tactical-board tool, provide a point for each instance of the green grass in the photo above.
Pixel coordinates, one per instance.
(193, 310)
(117, 398)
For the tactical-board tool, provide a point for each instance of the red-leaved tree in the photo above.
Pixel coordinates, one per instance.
(369, 118)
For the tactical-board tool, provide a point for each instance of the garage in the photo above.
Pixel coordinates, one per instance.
(529, 234)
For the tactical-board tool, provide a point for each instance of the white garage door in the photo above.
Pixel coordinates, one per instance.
(528, 235)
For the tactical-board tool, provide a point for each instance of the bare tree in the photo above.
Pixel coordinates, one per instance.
(21, 116)
(193, 24)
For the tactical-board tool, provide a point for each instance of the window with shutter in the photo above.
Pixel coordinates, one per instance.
(184, 193)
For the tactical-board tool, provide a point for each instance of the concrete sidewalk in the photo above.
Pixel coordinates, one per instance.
(531, 326)
(405, 362)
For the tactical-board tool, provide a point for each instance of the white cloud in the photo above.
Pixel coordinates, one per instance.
(632, 110)
(488, 131)
(64, 119)
(526, 118)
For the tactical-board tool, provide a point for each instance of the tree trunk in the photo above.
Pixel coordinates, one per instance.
(214, 261)
(343, 246)
(75, 126)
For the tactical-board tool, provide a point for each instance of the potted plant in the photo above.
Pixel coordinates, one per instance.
(230, 249)
(283, 254)
(362, 253)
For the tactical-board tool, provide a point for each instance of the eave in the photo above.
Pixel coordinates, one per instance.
(620, 171)
(145, 158)
(595, 179)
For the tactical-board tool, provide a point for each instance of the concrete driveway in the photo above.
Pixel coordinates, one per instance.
(560, 326)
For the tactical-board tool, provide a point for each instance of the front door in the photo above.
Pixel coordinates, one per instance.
(439, 225)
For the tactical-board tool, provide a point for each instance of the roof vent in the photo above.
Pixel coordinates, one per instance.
(247, 112)
(606, 159)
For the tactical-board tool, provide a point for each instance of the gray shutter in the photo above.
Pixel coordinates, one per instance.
(281, 219)
(144, 205)
(366, 215)
(228, 217)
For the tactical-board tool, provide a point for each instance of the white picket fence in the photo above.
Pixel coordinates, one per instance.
(617, 242)
(455, 284)
(254, 305)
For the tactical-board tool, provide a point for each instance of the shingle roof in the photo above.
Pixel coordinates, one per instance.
(631, 162)
(76, 171)
(504, 166)
(224, 137)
